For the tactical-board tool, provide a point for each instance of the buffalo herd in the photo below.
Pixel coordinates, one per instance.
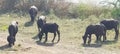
(44, 28)
(100, 30)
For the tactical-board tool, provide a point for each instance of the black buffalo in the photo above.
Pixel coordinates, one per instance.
(97, 29)
(12, 29)
(46, 28)
(112, 24)
(33, 12)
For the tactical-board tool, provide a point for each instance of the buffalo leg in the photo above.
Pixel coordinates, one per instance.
(89, 39)
(40, 36)
(9, 44)
(46, 37)
(54, 36)
(85, 39)
(58, 32)
(104, 37)
(116, 34)
(97, 38)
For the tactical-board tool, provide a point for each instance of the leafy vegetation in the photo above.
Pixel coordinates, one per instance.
(116, 13)
(60, 8)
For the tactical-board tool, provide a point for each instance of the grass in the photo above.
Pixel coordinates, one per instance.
(71, 30)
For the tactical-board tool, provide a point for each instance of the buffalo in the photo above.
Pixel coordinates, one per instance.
(112, 24)
(12, 29)
(97, 29)
(33, 12)
(48, 27)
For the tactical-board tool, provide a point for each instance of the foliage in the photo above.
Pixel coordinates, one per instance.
(116, 13)
(59, 8)
(84, 11)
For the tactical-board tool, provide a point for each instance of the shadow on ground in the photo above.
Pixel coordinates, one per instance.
(4, 47)
(108, 42)
(29, 23)
(45, 44)
(35, 37)
(92, 45)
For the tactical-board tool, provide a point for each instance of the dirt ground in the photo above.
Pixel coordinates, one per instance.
(31, 46)
(70, 43)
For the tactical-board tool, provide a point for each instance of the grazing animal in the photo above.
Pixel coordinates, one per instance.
(112, 24)
(33, 12)
(98, 29)
(12, 29)
(41, 20)
(48, 27)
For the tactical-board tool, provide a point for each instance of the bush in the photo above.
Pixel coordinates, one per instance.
(60, 7)
(85, 10)
(116, 13)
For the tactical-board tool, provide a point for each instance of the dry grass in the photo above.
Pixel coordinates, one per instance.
(71, 30)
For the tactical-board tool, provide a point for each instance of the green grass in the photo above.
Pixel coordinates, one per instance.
(71, 30)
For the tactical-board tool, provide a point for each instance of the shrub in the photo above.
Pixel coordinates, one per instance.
(85, 10)
(116, 13)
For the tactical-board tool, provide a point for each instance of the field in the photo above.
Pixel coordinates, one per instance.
(71, 41)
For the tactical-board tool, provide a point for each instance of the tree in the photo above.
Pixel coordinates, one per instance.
(116, 8)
